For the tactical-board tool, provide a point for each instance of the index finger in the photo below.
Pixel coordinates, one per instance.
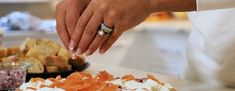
(73, 12)
(60, 24)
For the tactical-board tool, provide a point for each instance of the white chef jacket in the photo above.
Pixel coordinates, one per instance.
(211, 45)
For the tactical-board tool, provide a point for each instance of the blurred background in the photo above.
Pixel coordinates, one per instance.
(156, 45)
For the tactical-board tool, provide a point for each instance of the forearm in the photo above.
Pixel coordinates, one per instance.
(173, 5)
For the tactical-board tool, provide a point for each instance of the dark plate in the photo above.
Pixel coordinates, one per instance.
(62, 74)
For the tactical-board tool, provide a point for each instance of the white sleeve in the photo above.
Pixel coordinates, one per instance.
(214, 4)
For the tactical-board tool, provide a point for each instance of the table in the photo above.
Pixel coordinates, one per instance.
(179, 84)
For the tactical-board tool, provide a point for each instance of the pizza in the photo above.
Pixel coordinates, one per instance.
(103, 81)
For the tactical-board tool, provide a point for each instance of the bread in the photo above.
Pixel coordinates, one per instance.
(56, 61)
(28, 43)
(12, 59)
(51, 69)
(37, 50)
(3, 52)
(44, 55)
(66, 68)
(43, 59)
(36, 65)
(41, 50)
(48, 53)
(77, 59)
(34, 47)
(78, 62)
(13, 51)
(6, 59)
(52, 47)
(63, 53)
(52, 60)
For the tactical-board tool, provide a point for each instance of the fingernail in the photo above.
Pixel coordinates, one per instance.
(74, 56)
(102, 51)
(78, 52)
(88, 52)
(71, 45)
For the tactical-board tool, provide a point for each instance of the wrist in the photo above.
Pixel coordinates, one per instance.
(172, 5)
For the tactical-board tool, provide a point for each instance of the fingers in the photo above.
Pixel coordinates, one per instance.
(89, 33)
(80, 27)
(110, 41)
(98, 40)
(73, 11)
(60, 24)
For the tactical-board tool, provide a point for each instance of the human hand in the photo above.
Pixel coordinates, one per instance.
(118, 14)
(67, 15)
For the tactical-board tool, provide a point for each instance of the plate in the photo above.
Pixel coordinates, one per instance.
(55, 74)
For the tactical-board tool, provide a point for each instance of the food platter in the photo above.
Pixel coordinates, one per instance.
(102, 81)
(47, 58)
(55, 74)
(52, 67)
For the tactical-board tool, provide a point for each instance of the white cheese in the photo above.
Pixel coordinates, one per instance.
(50, 89)
(36, 85)
(148, 85)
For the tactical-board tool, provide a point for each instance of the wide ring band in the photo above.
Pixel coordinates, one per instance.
(104, 30)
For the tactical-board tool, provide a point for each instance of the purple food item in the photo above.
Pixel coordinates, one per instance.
(11, 76)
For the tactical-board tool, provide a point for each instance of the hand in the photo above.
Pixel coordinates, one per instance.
(118, 14)
(67, 15)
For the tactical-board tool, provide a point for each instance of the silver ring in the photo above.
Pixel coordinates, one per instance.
(104, 30)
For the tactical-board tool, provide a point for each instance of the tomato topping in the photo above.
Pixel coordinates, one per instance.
(128, 78)
(153, 78)
(81, 81)
(37, 80)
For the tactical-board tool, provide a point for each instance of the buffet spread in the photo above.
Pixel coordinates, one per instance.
(44, 57)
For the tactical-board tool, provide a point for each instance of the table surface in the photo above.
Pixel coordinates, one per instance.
(179, 84)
